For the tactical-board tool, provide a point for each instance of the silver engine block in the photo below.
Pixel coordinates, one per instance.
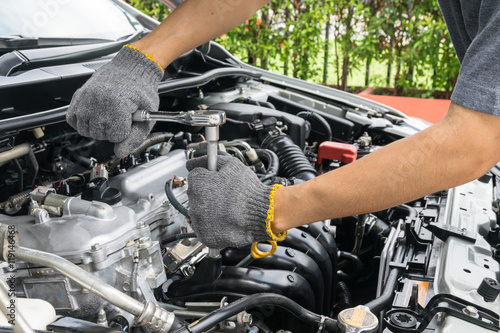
(102, 239)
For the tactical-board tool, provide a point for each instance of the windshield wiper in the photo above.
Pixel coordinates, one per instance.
(10, 43)
(32, 58)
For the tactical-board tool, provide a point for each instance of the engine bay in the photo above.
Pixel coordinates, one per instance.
(431, 265)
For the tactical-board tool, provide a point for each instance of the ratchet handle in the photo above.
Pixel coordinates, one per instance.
(205, 118)
(258, 254)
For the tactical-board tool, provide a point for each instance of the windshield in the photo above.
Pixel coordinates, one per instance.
(65, 19)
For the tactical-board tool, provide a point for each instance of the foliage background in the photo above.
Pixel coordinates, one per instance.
(400, 44)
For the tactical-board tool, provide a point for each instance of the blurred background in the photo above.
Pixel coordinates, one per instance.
(399, 47)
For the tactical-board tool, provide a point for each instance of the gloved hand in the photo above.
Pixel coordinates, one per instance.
(102, 108)
(229, 207)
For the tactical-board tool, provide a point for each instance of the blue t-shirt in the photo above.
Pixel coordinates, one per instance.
(474, 27)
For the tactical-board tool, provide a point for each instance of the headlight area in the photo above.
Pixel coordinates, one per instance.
(104, 243)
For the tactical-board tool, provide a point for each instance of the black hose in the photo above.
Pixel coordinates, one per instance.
(177, 237)
(256, 102)
(293, 162)
(152, 139)
(259, 300)
(358, 267)
(273, 163)
(173, 200)
(379, 303)
(344, 298)
(309, 114)
(406, 210)
(76, 153)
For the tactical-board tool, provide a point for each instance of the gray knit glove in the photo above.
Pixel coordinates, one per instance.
(102, 108)
(229, 207)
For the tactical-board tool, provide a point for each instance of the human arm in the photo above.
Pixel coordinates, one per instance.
(102, 109)
(193, 23)
(459, 149)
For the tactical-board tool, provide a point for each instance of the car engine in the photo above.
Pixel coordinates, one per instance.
(101, 243)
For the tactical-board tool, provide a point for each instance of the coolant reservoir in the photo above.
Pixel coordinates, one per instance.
(357, 320)
(36, 312)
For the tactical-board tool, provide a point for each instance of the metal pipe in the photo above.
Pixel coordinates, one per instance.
(21, 325)
(147, 314)
(82, 277)
(20, 151)
(236, 143)
(16, 152)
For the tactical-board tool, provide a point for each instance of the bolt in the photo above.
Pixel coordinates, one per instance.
(326, 229)
(230, 325)
(291, 278)
(144, 242)
(101, 318)
(247, 319)
(188, 271)
(140, 225)
(440, 317)
(304, 235)
(290, 252)
(471, 311)
(96, 247)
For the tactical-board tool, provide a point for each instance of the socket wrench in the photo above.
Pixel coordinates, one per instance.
(210, 119)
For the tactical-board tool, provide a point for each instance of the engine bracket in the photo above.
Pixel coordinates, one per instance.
(408, 321)
(443, 231)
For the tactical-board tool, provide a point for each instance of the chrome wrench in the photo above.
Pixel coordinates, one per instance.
(210, 119)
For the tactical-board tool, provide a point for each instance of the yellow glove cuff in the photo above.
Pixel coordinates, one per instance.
(149, 56)
(270, 216)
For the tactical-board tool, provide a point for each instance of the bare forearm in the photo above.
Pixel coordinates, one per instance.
(194, 23)
(442, 156)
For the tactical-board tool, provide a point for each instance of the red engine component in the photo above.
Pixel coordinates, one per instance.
(336, 151)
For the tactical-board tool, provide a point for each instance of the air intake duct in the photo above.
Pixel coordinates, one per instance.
(293, 162)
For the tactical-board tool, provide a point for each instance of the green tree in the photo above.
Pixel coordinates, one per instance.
(153, 8)
(287, 36)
